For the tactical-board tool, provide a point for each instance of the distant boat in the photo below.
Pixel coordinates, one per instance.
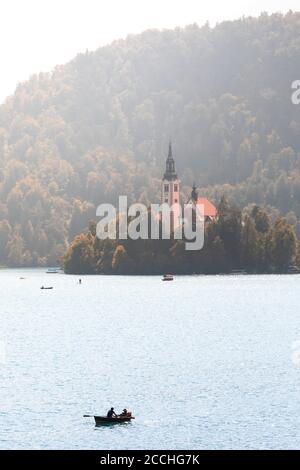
(52, 271)
(239, 272)
(293, 270)
(104, 420)
(168, 277)
(46, 288)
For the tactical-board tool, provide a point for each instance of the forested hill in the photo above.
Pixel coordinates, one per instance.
(99, 126)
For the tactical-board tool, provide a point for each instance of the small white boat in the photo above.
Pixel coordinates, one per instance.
(52, 271)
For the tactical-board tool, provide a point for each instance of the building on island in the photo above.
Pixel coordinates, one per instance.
(209, 210)
(171, 195)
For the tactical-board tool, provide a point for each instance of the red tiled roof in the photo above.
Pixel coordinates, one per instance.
(209, 209)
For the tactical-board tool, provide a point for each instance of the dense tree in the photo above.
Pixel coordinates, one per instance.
(274, 250)
(121, 263)
(98, 127)
(261, 219)
(283, 245)
(229, 229)
(80, 255)
(249, 245)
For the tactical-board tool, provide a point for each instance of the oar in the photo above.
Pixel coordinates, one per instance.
(88, 416)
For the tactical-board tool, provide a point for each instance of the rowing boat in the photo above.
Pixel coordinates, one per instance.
(104, 420)
(120, 419)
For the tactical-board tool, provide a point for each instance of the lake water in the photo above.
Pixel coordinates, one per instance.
(204, 362)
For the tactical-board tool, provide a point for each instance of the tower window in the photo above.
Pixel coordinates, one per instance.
(175, 188)
(166, 200)
(166, 188)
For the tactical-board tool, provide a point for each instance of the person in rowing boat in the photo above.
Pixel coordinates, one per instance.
(111, 413)
(124, 413)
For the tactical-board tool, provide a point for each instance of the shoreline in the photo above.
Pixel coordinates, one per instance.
(229, 274)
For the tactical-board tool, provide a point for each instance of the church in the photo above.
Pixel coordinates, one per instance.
(171, 194)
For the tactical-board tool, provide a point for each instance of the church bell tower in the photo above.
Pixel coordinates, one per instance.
(170, 190)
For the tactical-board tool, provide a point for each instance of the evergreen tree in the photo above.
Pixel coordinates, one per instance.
(283, 245)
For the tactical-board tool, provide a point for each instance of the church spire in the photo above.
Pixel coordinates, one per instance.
(170, 173)
(170, 154)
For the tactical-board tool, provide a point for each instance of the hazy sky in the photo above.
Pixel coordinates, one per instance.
(36, 35)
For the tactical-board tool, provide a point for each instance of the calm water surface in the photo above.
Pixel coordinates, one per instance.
(204, 362)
